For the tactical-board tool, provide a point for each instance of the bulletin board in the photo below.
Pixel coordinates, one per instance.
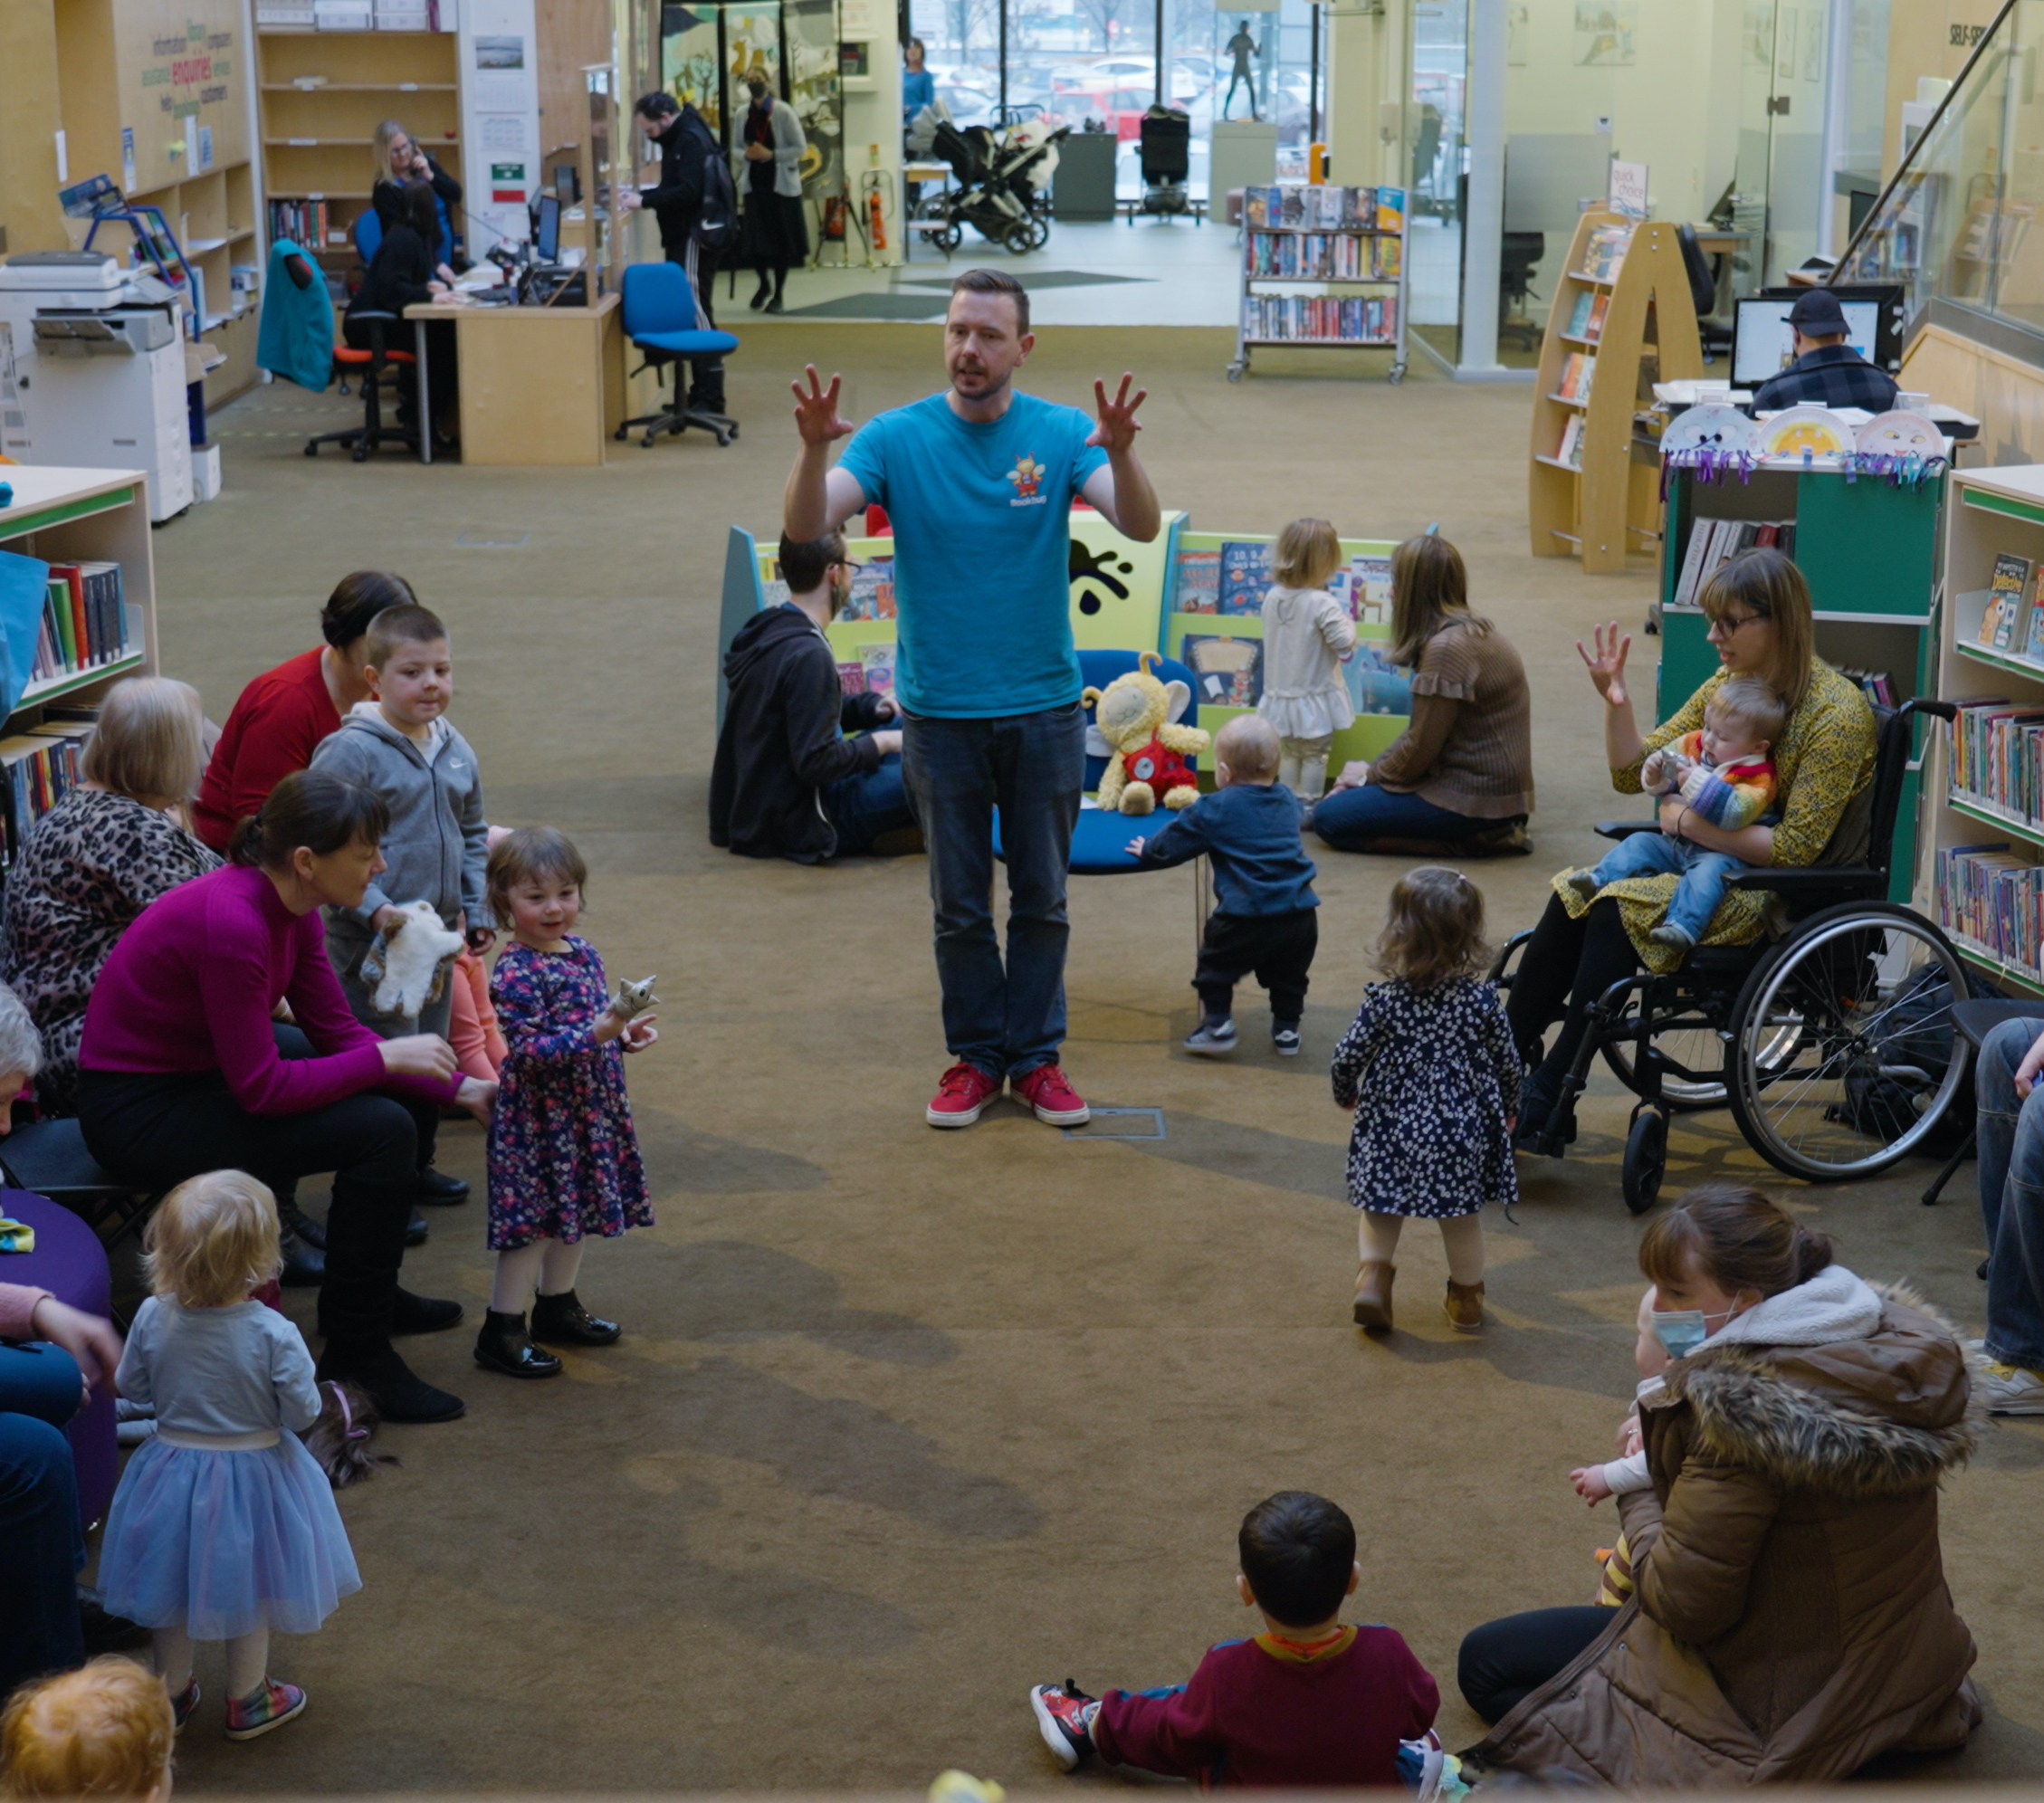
(181, 73)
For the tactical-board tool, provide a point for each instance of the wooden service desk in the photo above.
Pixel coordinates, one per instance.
(539, 385)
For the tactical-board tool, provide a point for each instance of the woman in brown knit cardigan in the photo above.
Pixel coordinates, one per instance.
(1460, 778)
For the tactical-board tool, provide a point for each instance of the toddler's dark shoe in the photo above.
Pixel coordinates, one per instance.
(1065, 1716)
(562, 1321)
(1285, 1036)
(504, 1346)
(267, 1706)
(1213, 1038)
(184, 1704)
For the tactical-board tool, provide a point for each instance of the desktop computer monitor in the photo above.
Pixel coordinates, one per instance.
(547, 237)
(1763, 342)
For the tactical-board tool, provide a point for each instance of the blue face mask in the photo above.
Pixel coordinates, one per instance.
(1682, 1330)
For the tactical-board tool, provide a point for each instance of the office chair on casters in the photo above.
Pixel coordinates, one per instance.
(1715, 333)
(1519, 255)
(661, 319)
(370, 367)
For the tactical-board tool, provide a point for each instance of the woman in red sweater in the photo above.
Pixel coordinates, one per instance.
(182, 1069)
(284, 713)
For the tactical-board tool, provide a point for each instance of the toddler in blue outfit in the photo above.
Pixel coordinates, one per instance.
(1265, 918)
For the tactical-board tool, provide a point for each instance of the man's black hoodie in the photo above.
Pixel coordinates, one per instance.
(783, 740)
(677, 202)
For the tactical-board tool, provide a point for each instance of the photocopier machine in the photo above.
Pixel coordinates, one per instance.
(92, 370)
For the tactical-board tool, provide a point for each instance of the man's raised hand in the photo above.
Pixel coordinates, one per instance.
(815, 410)
(1118, 424)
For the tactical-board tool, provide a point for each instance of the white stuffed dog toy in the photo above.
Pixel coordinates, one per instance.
(408, 962)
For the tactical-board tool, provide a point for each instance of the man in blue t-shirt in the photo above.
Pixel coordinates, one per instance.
(978, 481)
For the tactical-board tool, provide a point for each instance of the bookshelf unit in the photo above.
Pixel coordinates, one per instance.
(322, 96)
(1310, 253)
(1984, 796)
(1868, 551)
(1605, 503)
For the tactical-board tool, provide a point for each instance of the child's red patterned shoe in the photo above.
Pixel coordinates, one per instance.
(962, 1092)
(267, 1706)
(1046, 1093)
(185, 1703)
(1065, 1715)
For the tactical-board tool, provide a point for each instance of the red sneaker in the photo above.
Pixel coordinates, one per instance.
(962, 1092)
(1046, 1093)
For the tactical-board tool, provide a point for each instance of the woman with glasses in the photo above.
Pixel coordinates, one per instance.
(1758, 609)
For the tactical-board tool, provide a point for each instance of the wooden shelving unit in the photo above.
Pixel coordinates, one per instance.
(1610, 505)
(317, 138)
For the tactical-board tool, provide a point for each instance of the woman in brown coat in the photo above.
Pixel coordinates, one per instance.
(1791, 1617)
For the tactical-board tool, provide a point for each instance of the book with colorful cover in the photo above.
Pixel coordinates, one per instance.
(2004, 599)
(872, 592)
(1598, 307)
(1385, 255)
(852, 678)
(1376, 684)
(1199, 583)
(1370, 590)
(1569, 451)
(1390, 210)
(2033, 637)
(1578, 317)
(1575, 377)
(1226, 672)
(877, 661)
(1245, 576)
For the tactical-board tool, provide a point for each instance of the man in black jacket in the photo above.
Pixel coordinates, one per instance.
(786, 782)
(685, 143)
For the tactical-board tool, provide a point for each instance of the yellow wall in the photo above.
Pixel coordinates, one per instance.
(28, 127)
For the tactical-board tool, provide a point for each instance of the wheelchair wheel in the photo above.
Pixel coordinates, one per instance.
(1646, 1158)
(1844, 1054)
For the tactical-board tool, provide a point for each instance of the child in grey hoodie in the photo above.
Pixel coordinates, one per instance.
(402, 746)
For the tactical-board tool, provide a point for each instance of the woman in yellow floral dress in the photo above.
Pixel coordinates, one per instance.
(1758, 609)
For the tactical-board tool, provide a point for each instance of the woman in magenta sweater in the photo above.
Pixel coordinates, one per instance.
(182, 1069)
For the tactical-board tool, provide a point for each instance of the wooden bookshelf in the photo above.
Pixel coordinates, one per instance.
(321, 96)
(1609, 506)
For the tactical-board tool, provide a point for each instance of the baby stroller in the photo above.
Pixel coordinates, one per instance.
(1165, 155)
(1003, 188)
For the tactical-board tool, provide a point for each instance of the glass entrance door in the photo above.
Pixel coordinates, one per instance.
(1435, 175)
(1784, 48)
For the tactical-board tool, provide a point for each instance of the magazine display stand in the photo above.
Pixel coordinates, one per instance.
(1589, 495)
(1322, 265)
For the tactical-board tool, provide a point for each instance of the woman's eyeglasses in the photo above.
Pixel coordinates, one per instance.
(1729, 624)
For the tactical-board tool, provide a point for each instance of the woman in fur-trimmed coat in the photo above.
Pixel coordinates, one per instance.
(1791, 1619)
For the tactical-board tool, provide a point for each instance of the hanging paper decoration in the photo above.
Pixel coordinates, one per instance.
(1905, 447)
(1808, 433)
(1712, 440)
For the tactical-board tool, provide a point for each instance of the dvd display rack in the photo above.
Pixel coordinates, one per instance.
(1322, 267)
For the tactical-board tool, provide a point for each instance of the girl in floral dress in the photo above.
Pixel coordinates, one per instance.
(564, 1159)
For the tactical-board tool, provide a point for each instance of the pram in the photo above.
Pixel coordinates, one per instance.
(1166, 155)
(1003, 188)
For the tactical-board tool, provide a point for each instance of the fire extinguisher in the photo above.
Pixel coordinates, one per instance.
(834, 210)
(873, 214)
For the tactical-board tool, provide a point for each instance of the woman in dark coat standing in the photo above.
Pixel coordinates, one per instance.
(777, 229)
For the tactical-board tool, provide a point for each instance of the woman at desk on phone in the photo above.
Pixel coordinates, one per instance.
(402, 274)
(400, 161)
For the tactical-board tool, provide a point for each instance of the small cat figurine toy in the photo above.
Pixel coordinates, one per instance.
(634, 1000)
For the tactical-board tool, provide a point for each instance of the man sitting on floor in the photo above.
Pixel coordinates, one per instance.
(786, 782)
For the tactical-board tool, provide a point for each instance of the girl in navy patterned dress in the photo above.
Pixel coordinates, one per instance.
(1429, 1068)
(564, 1161)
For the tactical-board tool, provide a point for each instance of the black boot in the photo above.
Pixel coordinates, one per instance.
(414, 1229)
(562, 1321)
(438, 1190)
(503, 1346)
(763, 294)
(302, 1266)
(295, 1221)
(365, 1247)
(781, 283)
(423, 1314)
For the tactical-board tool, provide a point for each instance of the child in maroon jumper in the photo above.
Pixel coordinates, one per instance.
(1308, 1702)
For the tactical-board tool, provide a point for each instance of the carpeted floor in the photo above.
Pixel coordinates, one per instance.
(904, 1422)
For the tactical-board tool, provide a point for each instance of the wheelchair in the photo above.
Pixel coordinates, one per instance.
(1833, 1045)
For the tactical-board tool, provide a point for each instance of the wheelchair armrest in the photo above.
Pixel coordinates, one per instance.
(1842, 879)
(1624, 829)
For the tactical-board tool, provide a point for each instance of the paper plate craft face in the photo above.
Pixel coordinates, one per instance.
(1712, 427)
(1900, 434)
(1817, 430)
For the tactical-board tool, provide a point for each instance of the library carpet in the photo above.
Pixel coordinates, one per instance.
(904, 1422)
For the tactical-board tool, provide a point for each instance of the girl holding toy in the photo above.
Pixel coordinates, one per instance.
(1430, 1070)
(1308, 635)
(223, 1527)
(564, 1159)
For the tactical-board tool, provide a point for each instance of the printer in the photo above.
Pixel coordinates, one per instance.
(92, 371)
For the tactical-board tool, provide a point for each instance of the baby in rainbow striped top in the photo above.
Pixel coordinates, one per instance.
(1726, 779)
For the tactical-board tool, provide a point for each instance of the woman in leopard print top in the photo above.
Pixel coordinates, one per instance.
(107, 850)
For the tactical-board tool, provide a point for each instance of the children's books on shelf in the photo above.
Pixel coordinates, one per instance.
(1714, 541)
(1384, 254)
(2010, 585)
(1199, 588)
(1245, 576)
(1605, 251)
(1228, 672)
(1877, 685)
(872, 592)
(1377, 685)
(1570, 450)
(1599, 308)
(1998, 757)
(1993, 897)
(37, 770)
(1577, 374)
(84, 623)
(1320, 318)
(1390, 210)
(852, 678)
(2031, 639)
(877, 661)
(1368, 590)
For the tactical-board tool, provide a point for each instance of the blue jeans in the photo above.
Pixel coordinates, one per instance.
(1705, 875)
(864, 806)
(1002, 1021)
(44, 1539)
(2011, 1198)
(1351, 819)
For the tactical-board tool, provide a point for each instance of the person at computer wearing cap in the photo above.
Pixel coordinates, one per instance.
(1827, 372)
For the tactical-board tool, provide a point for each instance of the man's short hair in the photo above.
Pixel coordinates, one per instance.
(659, 104)
(401, 626)
(805, 561)
(1297, 1550)
(996, 281)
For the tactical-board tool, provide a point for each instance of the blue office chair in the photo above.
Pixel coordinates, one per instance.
(1099, 838)
(661, 319)
(368, 232)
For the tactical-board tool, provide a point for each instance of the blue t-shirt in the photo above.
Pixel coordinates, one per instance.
(982, 517)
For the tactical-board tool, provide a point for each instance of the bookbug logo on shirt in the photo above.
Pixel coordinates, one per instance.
(1028, 475)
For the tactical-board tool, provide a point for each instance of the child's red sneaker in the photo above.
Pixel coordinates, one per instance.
(962, 1092)
(269, 1705)
(1065, 1715)
(1046, 1093)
